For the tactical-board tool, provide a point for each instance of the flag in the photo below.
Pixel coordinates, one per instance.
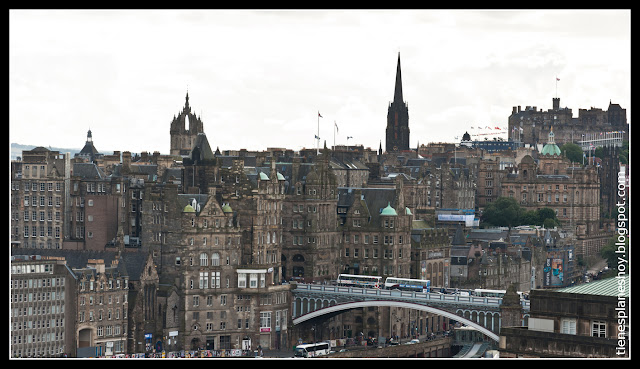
(336, 124)
(319, 115)
(316, 137)
(498, 128)
(557, 79)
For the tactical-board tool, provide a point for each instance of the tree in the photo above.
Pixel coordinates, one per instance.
(504, 212)
(572, 151)
(608, 251)
(546, 213)
(529, 217)
(624, 153)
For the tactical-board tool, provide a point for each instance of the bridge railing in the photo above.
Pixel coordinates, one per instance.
(380, 293)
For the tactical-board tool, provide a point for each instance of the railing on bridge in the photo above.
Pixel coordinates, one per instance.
(420, 296)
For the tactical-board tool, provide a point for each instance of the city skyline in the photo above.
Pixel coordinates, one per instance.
(261, 78)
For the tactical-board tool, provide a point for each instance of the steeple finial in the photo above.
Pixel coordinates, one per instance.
(397, 96)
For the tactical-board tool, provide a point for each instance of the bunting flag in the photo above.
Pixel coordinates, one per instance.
(319, 115)
(498, 128)
(471, 127)
(557, 79)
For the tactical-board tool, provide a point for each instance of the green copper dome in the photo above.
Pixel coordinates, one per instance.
(389, 211)
(189, 209)
(263, 177)
(551, 148)
(226, 208)
(408, 211)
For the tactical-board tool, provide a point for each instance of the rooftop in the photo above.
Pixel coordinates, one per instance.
(605, 287)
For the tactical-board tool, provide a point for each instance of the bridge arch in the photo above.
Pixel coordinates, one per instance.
(401, 304)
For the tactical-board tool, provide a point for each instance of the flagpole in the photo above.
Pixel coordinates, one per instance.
(334, 134)
(318, 137)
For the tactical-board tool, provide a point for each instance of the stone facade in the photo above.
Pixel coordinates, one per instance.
(102, 307)
(563, 324)
(532, 126)
(40, 202)
(397, 133)
(184, 130)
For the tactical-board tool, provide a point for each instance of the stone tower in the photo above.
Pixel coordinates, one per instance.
(511, 308)
(397, 135)
(184, 131)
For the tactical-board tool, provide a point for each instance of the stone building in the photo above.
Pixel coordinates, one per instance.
(551, 182)
(431, 253)
(584, 321)
(309, 222)
(397, 132)
(40, 199)
(532, 126)
(42, 310)
(94, 208)
(184, 130)
(102, 308)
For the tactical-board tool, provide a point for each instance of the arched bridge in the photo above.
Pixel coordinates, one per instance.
(482, 313)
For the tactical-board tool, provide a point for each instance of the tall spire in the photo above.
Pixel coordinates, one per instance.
(186, 104)
(397, 96)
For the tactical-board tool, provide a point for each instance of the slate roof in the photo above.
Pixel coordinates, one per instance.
(131, 262)
(87, 171)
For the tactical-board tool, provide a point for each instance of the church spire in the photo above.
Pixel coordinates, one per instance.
(186, 104)
(397, 96)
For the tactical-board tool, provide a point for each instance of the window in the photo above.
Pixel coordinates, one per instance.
(242, 280)
(598, 328)
(204, 280)
(265, 321)
(568, 326)
(204, 259)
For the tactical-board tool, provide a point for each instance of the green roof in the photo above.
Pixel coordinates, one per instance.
(605, 287)
(263, 177)
(226, 208)
(551, 149)
(189, 209)
(389, 211)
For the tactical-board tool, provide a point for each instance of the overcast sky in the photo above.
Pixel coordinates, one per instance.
(259, 78)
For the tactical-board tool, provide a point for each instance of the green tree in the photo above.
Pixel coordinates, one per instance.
(572, 151)
(608, 251)
(624, 153)
(504, 212)
(547, 217)
(529, 217)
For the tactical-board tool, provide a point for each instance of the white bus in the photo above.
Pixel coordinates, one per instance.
(488, 293)
(496, 293)
(352, 280)
(312, 349)
(406, 284)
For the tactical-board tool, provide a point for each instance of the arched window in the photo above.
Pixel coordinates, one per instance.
(215, 259)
